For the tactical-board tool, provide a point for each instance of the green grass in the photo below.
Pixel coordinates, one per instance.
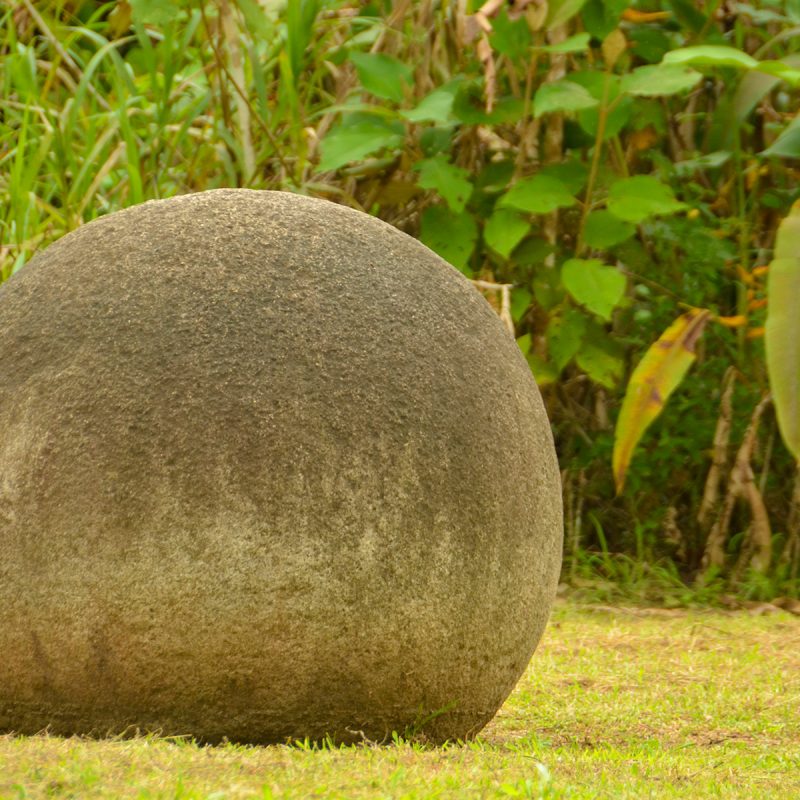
(616, 704)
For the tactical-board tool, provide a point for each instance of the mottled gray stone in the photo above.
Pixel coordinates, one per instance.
(269, 468)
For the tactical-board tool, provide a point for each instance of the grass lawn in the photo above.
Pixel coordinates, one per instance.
(616, 704)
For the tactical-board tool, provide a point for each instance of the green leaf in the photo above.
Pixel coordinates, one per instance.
(573, 174)
(594, 285)
(451, 235)
(154, 12)
(782, 334)
(705, 161)
(351, 142)
(436, 106)
(382, 75)
(600, 358)
(504, 230)
(300, 17)
(752, 89)
(540, 194)
(495, 177)
(787, 145)
(779, 69)
(600, 17)
(469, 106)
(547, 287)
(648, 43)
(575, 44)
(560, 11)
(511, 38)
(604, 230)
(635, 199)
(447, 179)
(688, 15)
(659, 80)
(619, 108)
(565, 335)
(543, 371)
(255, 18)
(561, 95)
(520, 302)
(710, 55)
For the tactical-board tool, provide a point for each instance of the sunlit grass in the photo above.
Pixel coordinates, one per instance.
(624, 704)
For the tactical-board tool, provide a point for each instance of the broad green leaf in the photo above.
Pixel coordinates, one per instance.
(659, 80)
(154, 12)
(604, 230)
(705, 161)
(565, 335)
(469, 106)
(435, 139)
(547, 287)
(540, 194)
(600, 358)
(787, 145)
(560, 11)
(561, 95)
(255, 18)
(451, 235)
(504, 230)
(600, 17)
(689, 16)
(710, 55)
(436, 106)
(594, 285)
(382, 75)
(600, 85)
(512, 38)
(656, 376)
(520, 302)
(573, 174)
(642, 196)
(648, 43)
(447, 179)
(752, 89)
(575, 44)
(782, 334)
(782, 70)
(351, 142)
(495, 177)
(543, 371)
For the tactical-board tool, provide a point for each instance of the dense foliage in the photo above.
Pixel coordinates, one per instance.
(597, 169)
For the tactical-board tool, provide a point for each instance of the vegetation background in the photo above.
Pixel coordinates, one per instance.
(597, 167)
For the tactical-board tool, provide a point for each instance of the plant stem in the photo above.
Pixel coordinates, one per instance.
(598, 149)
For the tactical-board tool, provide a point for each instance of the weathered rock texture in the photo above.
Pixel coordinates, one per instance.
(268, 468)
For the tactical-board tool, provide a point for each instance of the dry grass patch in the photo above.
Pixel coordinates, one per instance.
(616, 704)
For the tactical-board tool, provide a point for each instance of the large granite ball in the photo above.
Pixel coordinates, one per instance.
(269, 468)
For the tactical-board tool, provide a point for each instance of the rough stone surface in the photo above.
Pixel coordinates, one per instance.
(269, 468)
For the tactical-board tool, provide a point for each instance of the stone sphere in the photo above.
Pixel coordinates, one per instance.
(270, 469)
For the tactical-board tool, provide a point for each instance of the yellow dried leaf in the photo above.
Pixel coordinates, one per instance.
(643, 139)
(655, 378)
(614, 45)
(636, 16)
(733, 322)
